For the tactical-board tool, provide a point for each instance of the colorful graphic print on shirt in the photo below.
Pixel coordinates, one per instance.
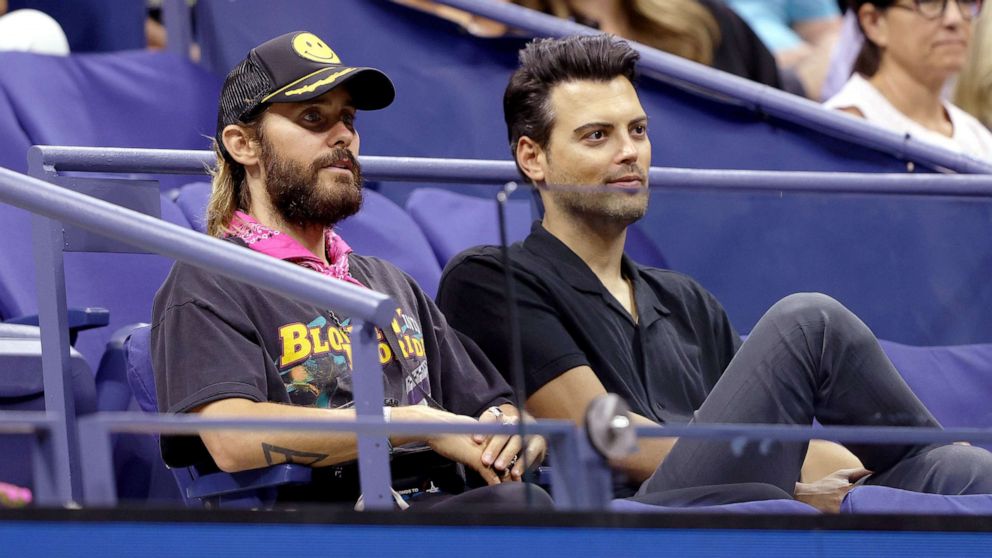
(316, 362)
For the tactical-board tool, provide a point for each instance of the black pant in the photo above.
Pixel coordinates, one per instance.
(809, 357)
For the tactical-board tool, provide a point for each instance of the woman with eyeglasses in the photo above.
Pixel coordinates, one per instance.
(912, 49)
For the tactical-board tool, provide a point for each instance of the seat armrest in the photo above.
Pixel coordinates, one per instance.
(80, 319)
(224, 484)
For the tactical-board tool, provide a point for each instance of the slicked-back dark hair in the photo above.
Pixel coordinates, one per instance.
(545, 63)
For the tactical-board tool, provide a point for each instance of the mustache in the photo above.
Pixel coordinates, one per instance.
(627, 171)
(337, 155)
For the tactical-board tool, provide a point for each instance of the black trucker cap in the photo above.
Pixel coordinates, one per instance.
(291, 68)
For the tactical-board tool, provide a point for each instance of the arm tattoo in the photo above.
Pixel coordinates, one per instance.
(291, 456)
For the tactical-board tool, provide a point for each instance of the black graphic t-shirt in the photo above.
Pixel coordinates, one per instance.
(213, 339)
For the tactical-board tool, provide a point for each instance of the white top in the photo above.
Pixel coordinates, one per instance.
(32, 31)
(970, 136)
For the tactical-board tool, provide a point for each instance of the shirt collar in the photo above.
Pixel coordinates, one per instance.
(574, 270)
(273, 242)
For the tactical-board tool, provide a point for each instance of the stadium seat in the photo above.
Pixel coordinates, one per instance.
(192, 200)
(124, 284)
(22, 389)
(380, 229)
(122, 99)
(453, 222)
(884, 500)
(254, 489)
(139, 472)
(955, 383)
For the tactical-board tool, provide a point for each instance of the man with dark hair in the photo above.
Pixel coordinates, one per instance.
(593, 321)
(288, 171)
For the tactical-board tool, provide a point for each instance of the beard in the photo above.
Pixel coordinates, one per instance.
(614, 207)
(301, 198)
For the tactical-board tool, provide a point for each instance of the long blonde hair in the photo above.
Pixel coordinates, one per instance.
(681, 27)
(973, 92)
(228, 193)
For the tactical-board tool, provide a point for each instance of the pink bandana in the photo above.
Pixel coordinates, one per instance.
(271, 242)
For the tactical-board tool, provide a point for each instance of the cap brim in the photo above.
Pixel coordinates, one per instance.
(370, 89)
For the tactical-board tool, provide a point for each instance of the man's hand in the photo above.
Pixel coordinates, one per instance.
(502, 452)
(827, 493)
(461, 448)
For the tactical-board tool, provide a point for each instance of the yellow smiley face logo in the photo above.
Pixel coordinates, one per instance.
(310, 46)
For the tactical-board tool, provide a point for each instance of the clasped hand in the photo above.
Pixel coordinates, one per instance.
(498, 458)
(827, 493)
(502, 453)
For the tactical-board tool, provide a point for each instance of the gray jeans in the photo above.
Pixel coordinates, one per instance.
(811, 358)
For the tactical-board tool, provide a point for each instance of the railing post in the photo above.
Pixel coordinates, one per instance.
(99, 488)
(62, 444)
(373, 455)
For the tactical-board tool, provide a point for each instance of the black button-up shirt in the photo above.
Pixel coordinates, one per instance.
(664, 364)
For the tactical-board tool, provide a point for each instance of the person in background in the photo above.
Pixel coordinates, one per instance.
(31, 31)
(800, 33)
(973, 92)
(704, 31)
(912, 49)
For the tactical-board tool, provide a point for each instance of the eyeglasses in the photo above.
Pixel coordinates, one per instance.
(935, 9)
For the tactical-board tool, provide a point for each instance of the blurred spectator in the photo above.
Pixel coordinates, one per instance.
(704, 31)
(911, 50)
(800, 33)
(31, 31)
(94, 25)
(974, 88)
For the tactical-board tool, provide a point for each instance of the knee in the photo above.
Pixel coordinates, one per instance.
(810, 308)
(816, 308)
(958, 469)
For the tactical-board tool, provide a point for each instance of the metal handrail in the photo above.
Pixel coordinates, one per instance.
(476, 171)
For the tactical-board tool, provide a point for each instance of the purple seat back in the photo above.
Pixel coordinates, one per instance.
(453, 222)
(138, 365)
(885, 500)
(122, 283)
(122, 99)
(955, 383)
(22, 389)
(14, 141)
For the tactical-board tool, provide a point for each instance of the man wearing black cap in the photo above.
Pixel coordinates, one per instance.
(287, 171)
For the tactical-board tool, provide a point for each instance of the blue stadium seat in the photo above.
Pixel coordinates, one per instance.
(122, 283)
(253, 489)
(22, 389)
(955, 383)
(122, 99)
(454, 221)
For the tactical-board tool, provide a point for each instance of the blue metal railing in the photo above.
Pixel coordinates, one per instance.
(767, 100)
(473, 171)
